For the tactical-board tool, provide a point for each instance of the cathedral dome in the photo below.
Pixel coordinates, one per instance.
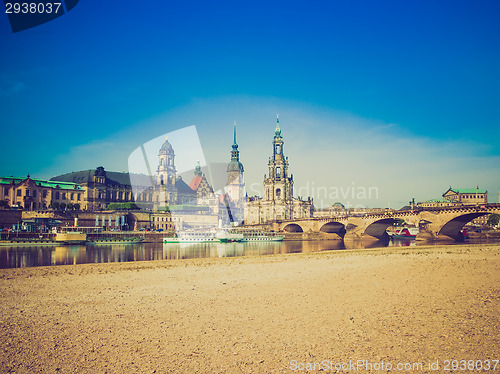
(166, 148)
(235, 166)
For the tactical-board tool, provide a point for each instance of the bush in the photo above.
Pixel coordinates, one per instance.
(122, 206)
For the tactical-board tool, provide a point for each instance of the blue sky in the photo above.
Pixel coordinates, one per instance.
(402, 96)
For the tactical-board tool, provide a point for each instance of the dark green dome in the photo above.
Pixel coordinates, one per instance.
(235, 166)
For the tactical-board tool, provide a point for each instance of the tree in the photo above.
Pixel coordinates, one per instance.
(4, 204)
(493, 219)
(54, 205)
(122, 206)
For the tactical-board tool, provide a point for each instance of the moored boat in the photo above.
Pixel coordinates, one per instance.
(192, 237)
(255, 235)
(114, 240)
(229, 236)
(70, 237)
(405, 233)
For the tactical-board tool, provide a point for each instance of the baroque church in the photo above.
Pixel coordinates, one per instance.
(170, 189)
(278, 202)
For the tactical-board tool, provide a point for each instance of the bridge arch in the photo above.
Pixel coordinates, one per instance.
(293, 227)
(378, 228)
(334, 227)
(453, 228)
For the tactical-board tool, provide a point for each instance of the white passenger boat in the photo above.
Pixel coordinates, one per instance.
(193, 237)
(253, 235)
(230, 236)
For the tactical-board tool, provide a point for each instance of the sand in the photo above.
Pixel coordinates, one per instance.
(279, 313)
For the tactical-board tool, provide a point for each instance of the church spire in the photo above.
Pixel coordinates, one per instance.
(197, 169)
(234, 135)
(277, 132)
(235, 145)
(235, 154)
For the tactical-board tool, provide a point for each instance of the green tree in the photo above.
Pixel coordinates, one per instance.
(122, 206)
(493, 219)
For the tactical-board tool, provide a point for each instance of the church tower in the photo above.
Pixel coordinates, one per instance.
(278, 202)
(235, 186)
(278, 187)
(166, 172)
(235, 199)
(165, 189)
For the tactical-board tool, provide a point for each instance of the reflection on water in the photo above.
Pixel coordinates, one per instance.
(27, 256)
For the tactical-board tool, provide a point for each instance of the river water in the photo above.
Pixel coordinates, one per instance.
(28, 256)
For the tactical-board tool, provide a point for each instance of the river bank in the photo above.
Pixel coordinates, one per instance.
(253, 314)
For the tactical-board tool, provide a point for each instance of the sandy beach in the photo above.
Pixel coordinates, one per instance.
(277, 313)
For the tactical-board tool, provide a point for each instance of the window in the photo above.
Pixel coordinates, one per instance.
(64, 196)
(278, 148)
(6, 192)
(27, 192)
(278, 173)
(72, 196)
(278, 193)
(18, 192)
(34, 193)
(44, 194)
(78, 197)
(57, 195)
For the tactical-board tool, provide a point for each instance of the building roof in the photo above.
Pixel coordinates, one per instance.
(466, 190)
(436, 201)
(63, 185)
(195, 182)
(112, 178)
(182, 187)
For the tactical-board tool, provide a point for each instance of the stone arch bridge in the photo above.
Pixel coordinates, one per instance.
(434, 223)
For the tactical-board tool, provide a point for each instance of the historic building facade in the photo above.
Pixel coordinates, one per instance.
(102, 187)
(457, 197)
(37, 194)
(466, 196)
(278, 202)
